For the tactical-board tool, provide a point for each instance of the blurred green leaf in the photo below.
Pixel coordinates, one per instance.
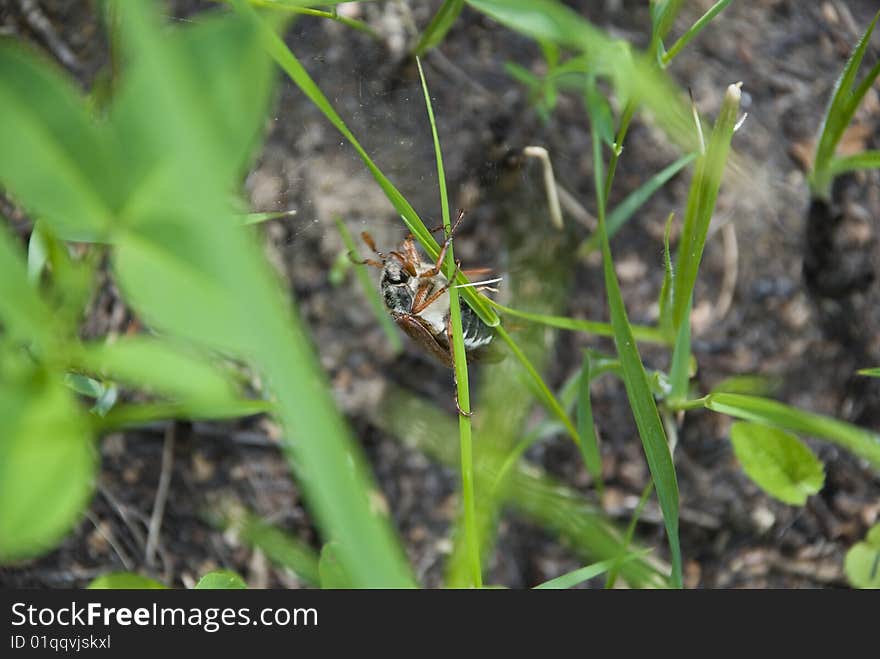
(439, 26)
(575, 577)
(777, 461)
(45, 128)
(862, 563)
(125, 581)
(756, 385)
(221, 580)
(84, 385)
(23, 313)
(589, 444)
(160, 366)
(47, 464)
(37, 255)
(330, 569)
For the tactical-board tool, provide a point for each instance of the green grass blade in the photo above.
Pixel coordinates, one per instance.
(439, 25)
(864, 160)
(694, 30)
(840, 110)
(460, 363)
(641, 332)
(870, 372)
(589, 444)
(371, 291)
(638, 388)
(861, 442)
(701, 204)
(679, 375)
(636, 199)
(575, 577)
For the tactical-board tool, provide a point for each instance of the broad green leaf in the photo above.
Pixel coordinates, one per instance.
(862, 442)
(47, 464)
(54, 159)
(221, 580)
(125, 581)
(862, 563)
(330, 569)
(439, 25)
(777, 461)
(158, 365)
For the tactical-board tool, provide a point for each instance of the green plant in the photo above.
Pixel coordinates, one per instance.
(841, 108)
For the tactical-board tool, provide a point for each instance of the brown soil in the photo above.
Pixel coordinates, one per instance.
(807, 325)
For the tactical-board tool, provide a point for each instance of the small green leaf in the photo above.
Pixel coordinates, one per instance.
(777, 461)
(38, 254)
(862, 563)
(330, 570)
(221, 580)
(125, 581)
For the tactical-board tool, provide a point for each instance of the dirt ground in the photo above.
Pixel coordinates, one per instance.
(755, 312)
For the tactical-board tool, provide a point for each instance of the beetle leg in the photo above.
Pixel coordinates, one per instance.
(446, 243)
(420, 302)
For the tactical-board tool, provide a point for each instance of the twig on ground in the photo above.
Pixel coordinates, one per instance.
(107, 534)
(161, 495)
(42, 26)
